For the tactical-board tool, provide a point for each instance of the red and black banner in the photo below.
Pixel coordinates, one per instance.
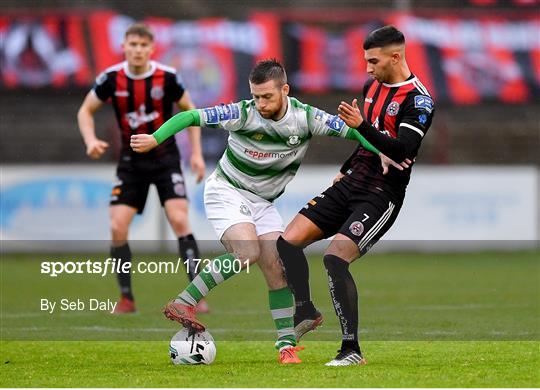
(468, 58)
(43, 50)
(460, 60)
(213, 55)
(467, 61)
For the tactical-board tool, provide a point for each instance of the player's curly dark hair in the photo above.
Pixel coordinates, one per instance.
(266, 70)
(384, 36)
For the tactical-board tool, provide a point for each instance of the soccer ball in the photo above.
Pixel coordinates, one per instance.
(196, 348)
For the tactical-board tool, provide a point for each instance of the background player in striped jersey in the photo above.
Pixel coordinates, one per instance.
(363, 203)
(269, 136)
(143, 93)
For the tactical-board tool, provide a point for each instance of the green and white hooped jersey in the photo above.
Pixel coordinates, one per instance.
(263, 155)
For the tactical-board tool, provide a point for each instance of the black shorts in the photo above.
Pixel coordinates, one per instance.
(133, 179)
(362, 216)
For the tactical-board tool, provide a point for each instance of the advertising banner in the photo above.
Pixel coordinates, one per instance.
(443, 206)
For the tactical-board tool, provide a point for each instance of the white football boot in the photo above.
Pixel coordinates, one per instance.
(347, 358)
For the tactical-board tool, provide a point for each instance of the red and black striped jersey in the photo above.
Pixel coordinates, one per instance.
(142, 103)
(396, 119)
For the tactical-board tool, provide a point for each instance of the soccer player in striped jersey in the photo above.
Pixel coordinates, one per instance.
(268, 138)
(363, 202)
(143, 93)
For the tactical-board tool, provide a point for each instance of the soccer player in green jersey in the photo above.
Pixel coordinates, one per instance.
(268, 137)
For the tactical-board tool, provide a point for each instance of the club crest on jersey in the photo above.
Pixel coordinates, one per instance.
(245, 210)
(423, 102)
(356, 228)
(157, 93)
(392, 108)
(293, 140)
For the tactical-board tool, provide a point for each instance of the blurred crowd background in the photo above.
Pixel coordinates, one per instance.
(479, 58)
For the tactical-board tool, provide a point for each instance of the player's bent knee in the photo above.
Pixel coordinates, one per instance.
(344, 248)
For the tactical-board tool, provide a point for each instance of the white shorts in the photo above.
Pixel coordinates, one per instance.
(226, 206)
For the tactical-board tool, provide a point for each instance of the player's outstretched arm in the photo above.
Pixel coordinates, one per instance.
(142, 143)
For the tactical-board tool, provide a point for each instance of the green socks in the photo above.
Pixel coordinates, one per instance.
(212, 275)
(282, 308)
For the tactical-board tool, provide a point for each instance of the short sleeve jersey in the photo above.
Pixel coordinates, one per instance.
(142, 103)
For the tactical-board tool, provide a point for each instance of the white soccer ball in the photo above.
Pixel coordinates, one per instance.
(196, 348)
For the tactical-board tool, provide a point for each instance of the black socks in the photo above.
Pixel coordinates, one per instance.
(297, 274)
(345, 300)
(189, 250)
(122, 254)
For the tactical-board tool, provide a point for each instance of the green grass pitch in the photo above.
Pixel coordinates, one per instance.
(427, 320)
